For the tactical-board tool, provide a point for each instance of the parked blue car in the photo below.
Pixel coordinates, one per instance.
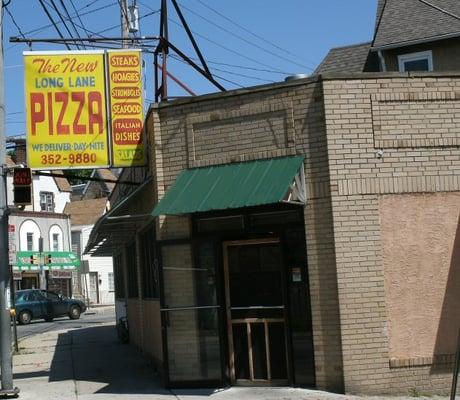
(35, 304)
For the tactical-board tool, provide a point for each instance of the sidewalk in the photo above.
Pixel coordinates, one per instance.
(100, 309)
(90, 363)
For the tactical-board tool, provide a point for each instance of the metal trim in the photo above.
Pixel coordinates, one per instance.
(188, 308)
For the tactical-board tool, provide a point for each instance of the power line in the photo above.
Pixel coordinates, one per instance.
(233, 73)
(217, 76)
(14, 22)
(53, 22)
(248, 31)
(71, 21)
(225, 48)
(246, 40)
(36, 30)
(118, 25)
(53, 4)
(78, 15)
(247, 67)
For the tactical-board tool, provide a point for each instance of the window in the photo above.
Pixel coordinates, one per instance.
(30, 241)
(133, 288)
(46, 201)
(420, 61)
(111, 282)
(55, 241)
(119, 277)
(76, 242)
(229, 223)
(149, 269)
(50, 296)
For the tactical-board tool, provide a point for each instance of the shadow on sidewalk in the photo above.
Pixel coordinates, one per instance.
(98, 363)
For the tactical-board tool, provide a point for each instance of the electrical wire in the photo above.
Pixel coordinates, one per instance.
(246, 67)
(14, 22)
(271, 70)
(78, 15)
(225, 48)
(214, 75)
(250, 32)
(36, 30)
(53, 4)
(71, 21)
(232, 73)
(118, 25)
(53, 22)
(246, 40)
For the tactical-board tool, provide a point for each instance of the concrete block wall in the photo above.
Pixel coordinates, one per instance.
(267, 122)
(386, 135)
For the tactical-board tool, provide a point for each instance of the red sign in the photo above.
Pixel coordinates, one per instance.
(22, 177)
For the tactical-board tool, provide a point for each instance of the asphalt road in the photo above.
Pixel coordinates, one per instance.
(92, 317)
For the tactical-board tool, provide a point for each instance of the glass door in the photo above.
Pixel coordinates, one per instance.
(255, 303)
(190, 313)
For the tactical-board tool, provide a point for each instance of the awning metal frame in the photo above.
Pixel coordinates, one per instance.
(297, 193)
(115, 220)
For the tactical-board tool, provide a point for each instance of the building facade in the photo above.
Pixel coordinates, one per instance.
(345, 281)
(95, 274)
(41, 222)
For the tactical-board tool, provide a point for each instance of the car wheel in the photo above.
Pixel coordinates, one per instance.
(25, 317)
(74, 312)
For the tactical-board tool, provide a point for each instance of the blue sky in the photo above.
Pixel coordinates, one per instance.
(247, 42)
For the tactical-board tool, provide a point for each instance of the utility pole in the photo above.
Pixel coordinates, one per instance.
(6, 361)
(40, 263)
(164, 33)
(124, 22)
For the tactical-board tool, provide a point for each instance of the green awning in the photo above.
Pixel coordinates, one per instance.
(236, 185)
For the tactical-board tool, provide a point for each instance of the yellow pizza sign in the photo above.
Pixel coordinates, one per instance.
(127, 108)
(66, 110)
(84, 109)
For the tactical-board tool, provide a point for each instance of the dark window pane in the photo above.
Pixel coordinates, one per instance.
(119, 277)
(277, 351)
(241, 351)
(275, 218)
(259, 354)
(299, 296)
(253, 282)
(149, 265)
(416, 65)
(133, 289)
(76, 242)
(230, 223)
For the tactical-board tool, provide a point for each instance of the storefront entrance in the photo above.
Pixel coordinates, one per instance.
(28, 281)
(256, 320)
(236, 303)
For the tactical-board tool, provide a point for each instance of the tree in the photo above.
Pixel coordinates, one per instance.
(76, 176)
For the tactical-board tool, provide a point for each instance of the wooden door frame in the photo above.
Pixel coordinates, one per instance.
(231, 358)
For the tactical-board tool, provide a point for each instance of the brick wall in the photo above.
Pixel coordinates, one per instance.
(413, 122)
(269, 122)
(363, 138)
